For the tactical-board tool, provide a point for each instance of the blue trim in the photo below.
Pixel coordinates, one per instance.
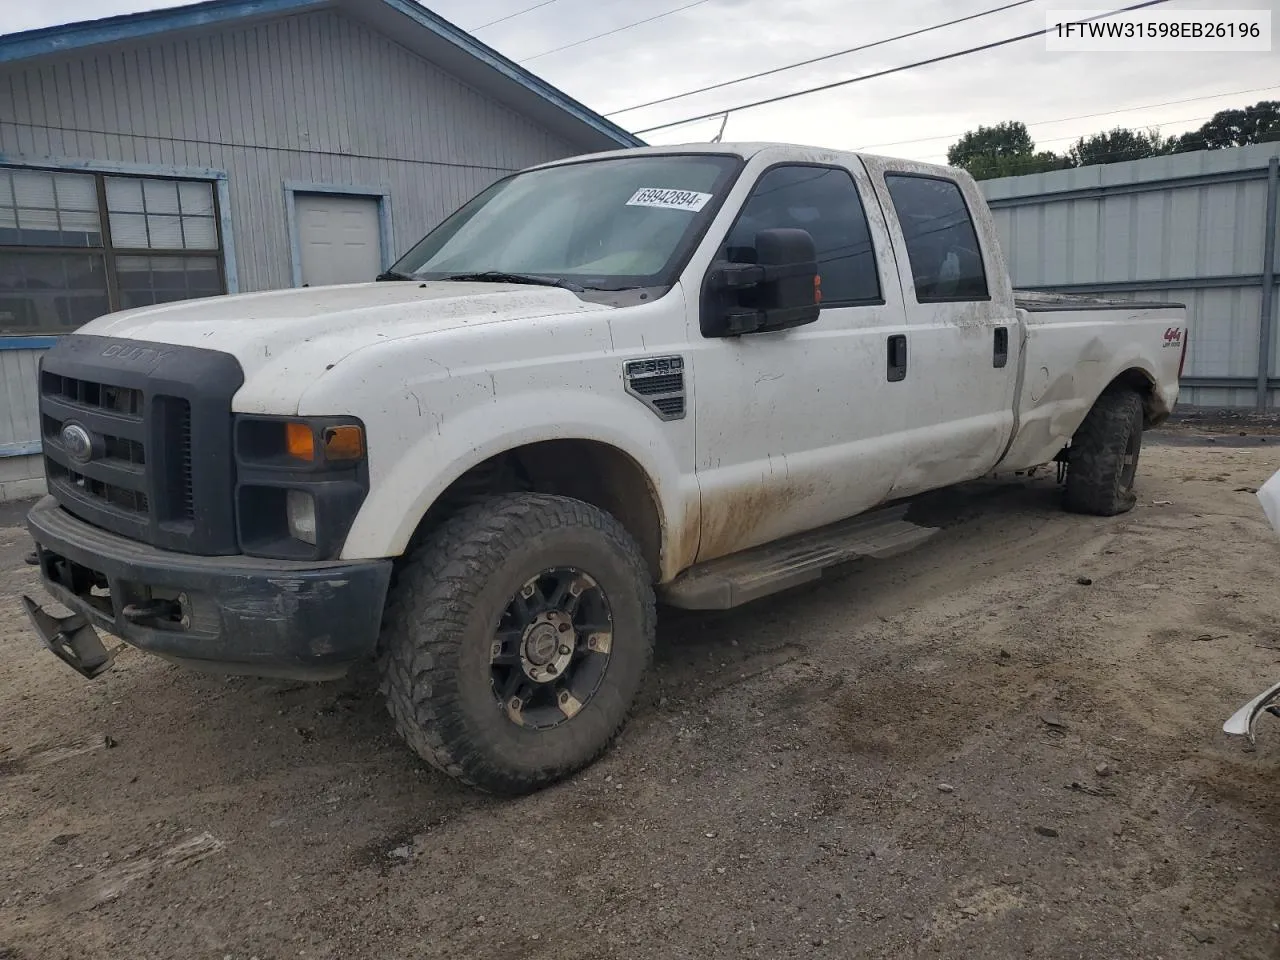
(292, 188)
(27, 343)
(70, 37)
(291, 228)
(113, 166)
(219, 178)
(231, 275)
(20, 449)
(87, 33)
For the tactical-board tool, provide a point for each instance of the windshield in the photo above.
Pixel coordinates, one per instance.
(602, 224)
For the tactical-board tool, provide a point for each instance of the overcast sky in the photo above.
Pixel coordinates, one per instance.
(913, 114)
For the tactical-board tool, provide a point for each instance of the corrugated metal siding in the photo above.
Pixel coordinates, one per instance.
(1211, 230)
(19, 422)
(317, 97)
(1165, 230)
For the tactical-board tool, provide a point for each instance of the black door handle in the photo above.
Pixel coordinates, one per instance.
(897, 357)
(1000, 356)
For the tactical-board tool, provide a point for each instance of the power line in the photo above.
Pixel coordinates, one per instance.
(1085, 137)
(512, 16)
(1075, 137)
(828, 56)
(1083, 116)
(99, 132)
(1027, 161)
(881, 73)
(609, 33)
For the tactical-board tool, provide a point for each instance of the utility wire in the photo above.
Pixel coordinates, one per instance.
(810, 62)
(1075, 137)
(512, 16)
(1031, 161)
(1082, 116)
(609, 33)
(881, 73)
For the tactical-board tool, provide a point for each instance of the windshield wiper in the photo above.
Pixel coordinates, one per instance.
(498, 276)
(395, 275)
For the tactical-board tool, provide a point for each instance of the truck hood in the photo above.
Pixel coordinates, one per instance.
(302, 333)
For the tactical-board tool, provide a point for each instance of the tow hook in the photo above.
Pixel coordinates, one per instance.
(152, 610)
(32, 559)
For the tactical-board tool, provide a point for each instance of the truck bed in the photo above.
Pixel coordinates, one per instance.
(1039, 301)
(1074, 346)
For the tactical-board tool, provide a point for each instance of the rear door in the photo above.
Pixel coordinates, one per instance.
(963, 337)
(798, 428)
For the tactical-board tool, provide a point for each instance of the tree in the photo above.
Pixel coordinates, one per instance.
(1117, 145)
(1004, 150)
(1259, 123)
(1009, 139)
(988, 168)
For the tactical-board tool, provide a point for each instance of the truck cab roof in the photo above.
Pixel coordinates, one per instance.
(749, 149)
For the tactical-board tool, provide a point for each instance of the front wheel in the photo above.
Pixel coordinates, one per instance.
(516, 639)
(1103, 458)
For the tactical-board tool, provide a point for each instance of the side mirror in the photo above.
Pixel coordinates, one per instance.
(778, 291)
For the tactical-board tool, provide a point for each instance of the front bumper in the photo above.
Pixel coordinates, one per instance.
(228, 614)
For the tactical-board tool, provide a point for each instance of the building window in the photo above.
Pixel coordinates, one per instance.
(74, 246)
(942, 244)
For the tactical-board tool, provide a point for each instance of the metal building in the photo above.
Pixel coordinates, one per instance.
(239, 145)
(1198, 228)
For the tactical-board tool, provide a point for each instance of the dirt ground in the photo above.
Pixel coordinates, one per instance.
(964, 751)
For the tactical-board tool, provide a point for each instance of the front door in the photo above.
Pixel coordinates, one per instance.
(798, 428)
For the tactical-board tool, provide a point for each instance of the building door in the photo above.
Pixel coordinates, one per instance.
(338, 238)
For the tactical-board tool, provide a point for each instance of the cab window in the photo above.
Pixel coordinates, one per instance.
(825, 202)
(942, 244)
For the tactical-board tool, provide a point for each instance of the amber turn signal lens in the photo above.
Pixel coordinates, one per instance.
(343, 443)
(300, 441)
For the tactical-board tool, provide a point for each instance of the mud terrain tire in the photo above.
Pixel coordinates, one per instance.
(452, 631)
(1104, 453)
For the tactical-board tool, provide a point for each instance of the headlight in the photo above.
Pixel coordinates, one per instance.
(338, 444)
(318, 440)
(299, 484)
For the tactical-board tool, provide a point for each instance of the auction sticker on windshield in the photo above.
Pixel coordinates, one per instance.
(669, 199)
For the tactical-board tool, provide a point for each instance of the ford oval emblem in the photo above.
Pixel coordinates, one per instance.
(77, 442)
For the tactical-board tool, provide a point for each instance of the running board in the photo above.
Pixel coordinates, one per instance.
(742, 577)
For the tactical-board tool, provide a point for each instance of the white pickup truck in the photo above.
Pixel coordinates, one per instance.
(701, 372)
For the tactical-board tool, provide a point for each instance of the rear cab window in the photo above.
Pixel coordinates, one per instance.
(942, 243)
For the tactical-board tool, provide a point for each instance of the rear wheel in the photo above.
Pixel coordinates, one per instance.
(516, 639)
(1103, 459)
